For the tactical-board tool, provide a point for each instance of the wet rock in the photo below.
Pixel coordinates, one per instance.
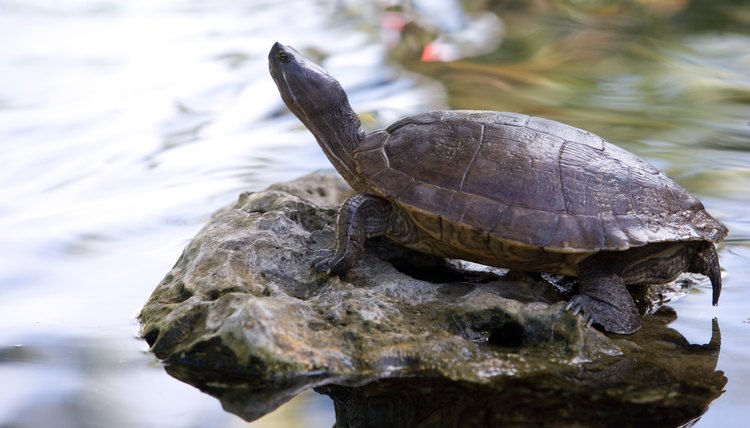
(242, 298)
(242, 305)
(663, 382)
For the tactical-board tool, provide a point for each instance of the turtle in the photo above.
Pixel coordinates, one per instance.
(507, 190)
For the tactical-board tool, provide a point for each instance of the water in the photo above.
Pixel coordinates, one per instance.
(124, 125)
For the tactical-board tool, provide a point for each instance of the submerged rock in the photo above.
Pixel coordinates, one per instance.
(241, 305)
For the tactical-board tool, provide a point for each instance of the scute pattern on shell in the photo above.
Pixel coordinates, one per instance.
(529, 181)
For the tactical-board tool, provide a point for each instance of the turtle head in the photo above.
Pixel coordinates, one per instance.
(319, 101)
(305, 86)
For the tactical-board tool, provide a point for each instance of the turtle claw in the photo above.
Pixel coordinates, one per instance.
(573, 308)
(322, 264)
(328, 264)
(576, 308)
(589, 322)
(611, 318)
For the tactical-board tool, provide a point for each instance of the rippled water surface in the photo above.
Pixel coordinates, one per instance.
(124, 125)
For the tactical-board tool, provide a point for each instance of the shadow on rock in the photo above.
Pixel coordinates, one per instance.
(402, 336)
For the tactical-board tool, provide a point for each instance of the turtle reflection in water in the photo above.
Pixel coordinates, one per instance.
(506, 190)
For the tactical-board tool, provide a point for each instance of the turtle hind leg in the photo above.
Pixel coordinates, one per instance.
(706, 262)
(604, 299)
(360, 217)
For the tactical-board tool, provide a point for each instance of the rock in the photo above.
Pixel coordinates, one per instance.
(244, 287)
(241, 304)
(660, 380)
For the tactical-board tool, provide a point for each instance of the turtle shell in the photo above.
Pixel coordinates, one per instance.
(528, 182)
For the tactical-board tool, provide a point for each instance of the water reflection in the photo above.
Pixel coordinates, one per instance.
(661, 380)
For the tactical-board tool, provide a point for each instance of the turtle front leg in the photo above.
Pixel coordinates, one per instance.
(604, 299)
(360, 217)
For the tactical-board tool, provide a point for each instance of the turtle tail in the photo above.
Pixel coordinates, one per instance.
(705, 261)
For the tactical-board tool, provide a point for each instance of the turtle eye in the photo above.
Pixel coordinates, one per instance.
(283, 57)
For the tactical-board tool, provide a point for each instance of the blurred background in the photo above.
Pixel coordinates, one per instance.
(124, 125)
